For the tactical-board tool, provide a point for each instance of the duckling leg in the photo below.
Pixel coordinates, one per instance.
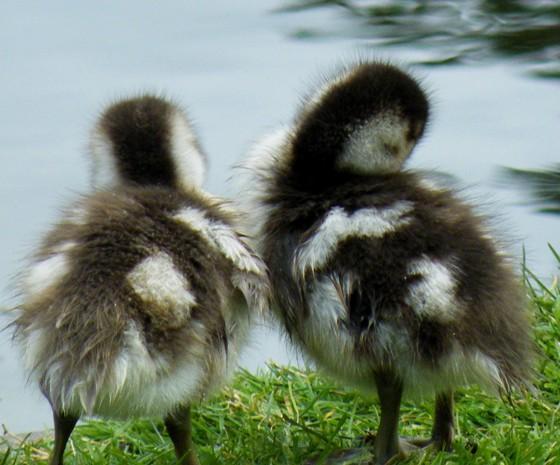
(178, 426)
(442, 432)
(389, 389)
(63, 427)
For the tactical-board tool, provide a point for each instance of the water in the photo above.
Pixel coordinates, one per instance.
(448, 32)
(240, 71)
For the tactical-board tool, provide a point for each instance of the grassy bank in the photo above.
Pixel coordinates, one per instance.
(287, 416)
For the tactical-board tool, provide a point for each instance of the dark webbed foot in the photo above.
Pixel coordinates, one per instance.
(442, 431)
(406, 447)
(63, 426)
(387, 444)
(178, 426)
(353, 456)
(409, 445)
(388, 447)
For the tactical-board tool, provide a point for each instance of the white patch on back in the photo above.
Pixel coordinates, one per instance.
(378, 146)
(145, 384)
(328, 341)
(339, 225)
(35, 342)
(189, 162)
(221, 237)
(332, 344)
(486, 369)
(139, 383)
(104, 173)
(142, 381)
(194, 218)
(433, 296)
(461, 366)
(46, 273)
(157, 282)
(64, 246)
(325, 338)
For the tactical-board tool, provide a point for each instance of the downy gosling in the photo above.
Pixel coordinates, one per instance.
(135, 304)
(386, 281)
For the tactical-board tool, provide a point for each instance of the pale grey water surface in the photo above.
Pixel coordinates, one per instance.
(236, 69)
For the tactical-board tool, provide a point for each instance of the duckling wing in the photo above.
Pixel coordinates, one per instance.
(249, 273)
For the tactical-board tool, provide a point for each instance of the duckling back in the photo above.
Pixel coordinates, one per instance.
(135, 303)
(374, 268)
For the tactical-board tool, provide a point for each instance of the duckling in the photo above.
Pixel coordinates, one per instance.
(139, 300)
(385, 280)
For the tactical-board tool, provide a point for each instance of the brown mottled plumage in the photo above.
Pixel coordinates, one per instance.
(134, 305)
(383, 279)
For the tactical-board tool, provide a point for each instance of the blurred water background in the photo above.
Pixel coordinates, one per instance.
(492, 67)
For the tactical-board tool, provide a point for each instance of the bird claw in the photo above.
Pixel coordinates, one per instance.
(408, 446)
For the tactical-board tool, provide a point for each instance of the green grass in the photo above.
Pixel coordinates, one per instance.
(286, 416)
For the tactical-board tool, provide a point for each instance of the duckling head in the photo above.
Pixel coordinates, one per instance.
(364, 121)
(146, 140)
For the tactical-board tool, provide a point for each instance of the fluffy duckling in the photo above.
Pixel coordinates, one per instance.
(384, 280)
(135, 303)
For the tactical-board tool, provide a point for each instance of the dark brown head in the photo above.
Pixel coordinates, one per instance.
(364, 121)
(147, 141)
